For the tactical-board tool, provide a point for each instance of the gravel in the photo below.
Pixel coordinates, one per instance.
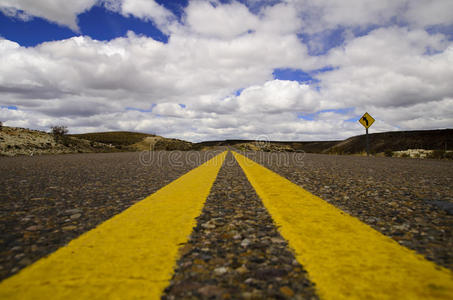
(46, 201)
(409, 200)
(236, 251)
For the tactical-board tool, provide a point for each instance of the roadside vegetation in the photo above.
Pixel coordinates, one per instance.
(420, 153)
(136, 141)
(59, 133)
(118, 139)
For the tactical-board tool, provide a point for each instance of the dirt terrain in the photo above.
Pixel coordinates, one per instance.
(21, 141)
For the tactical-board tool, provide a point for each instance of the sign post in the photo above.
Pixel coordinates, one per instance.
(366, 120)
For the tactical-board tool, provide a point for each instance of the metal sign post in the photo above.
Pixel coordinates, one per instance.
(366, 120)
(367, 144)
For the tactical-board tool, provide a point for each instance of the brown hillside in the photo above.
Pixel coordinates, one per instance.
(441, 139)
(136, 141)
(22, 141)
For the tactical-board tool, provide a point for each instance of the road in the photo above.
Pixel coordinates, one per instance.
(235, 248)
(46, 201)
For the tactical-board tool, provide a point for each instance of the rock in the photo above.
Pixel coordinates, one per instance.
(209, 291)
(186, 285)
(220, 271)
(402, 227)
(75, 216)
(237, 237)
(265, 274)
(419, 220)
(38, 199)
(208, 225)
(250, 281)
(19, 256)
(393, 204)
(288, 292)
(245, 242)
(186, 264)
(242, 270)
(278, 240)
(256, 294)
(34, 228)
(25, 261)
(72, 211)
(70, 227)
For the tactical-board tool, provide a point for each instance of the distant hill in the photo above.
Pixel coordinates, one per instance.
(116, 138)
(281, 146)
(135, 141)
(20, 141)
(441, 139)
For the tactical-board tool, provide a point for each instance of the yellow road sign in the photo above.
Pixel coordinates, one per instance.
(366, 120)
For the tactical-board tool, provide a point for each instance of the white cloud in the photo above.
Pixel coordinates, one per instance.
(219, 21)
(279, 96)
(321, 15)
(65, 13)
(147, 10)
(399, 74)
(425, 13)
(15, 13)
(61, 12)
(390, 67)
(280, 19)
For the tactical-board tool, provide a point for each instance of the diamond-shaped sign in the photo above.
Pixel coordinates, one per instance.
(366, 120)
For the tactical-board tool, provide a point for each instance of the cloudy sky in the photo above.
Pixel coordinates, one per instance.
(203, 70)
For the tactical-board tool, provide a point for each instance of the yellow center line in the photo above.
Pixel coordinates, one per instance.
(344, 257)
(130, 256)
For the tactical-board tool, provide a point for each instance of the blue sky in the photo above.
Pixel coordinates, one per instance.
(97, 23)
(292, 70)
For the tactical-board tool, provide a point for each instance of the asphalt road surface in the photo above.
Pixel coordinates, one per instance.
(48, 200)
(235, 249)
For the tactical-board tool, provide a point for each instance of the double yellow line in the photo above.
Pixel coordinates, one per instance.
(133, 255)
(344, 257)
